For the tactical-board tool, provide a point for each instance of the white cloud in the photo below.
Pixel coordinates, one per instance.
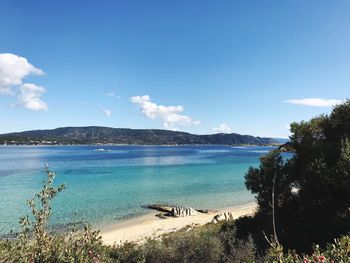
(170, 115)
(13, 69)
(30, 97)
(222, 128)
(107, 112)
(316, 102)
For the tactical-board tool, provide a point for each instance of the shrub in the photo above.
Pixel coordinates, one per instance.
(200, 244)
(209, 243)
(35, 243)
(338, 252)
(236, 250)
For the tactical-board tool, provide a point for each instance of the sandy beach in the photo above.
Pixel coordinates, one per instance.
(151, 226)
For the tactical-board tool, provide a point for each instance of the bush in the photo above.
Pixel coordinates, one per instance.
(209, 243)
(200, 244)
(236, 250)
(35, 243)
(338, 252)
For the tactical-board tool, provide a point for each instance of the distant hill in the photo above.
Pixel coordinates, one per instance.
(105, 135)
(281, 140)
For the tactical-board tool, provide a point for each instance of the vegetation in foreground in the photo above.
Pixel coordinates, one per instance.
(311, 190)
(302, 201)
(208, 243)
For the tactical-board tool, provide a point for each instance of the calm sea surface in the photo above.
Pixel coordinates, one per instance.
(111, 185)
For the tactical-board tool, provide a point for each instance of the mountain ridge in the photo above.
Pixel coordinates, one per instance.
(108, 135)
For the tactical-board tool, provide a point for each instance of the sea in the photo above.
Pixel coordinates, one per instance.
(107, 184)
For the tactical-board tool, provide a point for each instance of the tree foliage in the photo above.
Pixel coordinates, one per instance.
(312, 187)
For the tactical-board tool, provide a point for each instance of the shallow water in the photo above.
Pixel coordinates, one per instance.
(106, 186)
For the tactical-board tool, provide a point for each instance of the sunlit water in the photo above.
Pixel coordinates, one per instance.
(106, 186)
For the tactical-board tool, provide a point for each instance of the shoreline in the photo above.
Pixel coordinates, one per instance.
(172, 145)
(149, 225)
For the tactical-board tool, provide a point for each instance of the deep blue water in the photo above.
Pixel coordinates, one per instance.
(104, 187)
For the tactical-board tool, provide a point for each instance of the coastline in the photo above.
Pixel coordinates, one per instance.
(137, 229)
(166, 145)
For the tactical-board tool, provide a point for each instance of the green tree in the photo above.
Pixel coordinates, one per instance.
(312, 198)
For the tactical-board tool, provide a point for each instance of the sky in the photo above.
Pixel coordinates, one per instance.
(249, 67)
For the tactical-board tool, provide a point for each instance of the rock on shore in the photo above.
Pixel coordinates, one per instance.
(222, 217)
(179, 211)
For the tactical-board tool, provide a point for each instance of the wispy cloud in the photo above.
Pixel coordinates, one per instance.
(170, 115)
(110, 94)
(222, 128)
(315, 102)
(13, 70)
(107, 112)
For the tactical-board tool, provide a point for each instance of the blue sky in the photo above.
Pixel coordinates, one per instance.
(249, 67)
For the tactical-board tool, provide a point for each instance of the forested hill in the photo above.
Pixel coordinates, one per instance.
(105, 135)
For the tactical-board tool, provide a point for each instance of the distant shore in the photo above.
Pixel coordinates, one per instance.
(135, 230)
(111, 136)
(165, 145)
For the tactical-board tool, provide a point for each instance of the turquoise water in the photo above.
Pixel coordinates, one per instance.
(106, 186)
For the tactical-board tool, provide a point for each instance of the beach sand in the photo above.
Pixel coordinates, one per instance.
(151, 226)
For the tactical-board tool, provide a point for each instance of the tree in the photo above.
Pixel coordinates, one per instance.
(312, 198)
